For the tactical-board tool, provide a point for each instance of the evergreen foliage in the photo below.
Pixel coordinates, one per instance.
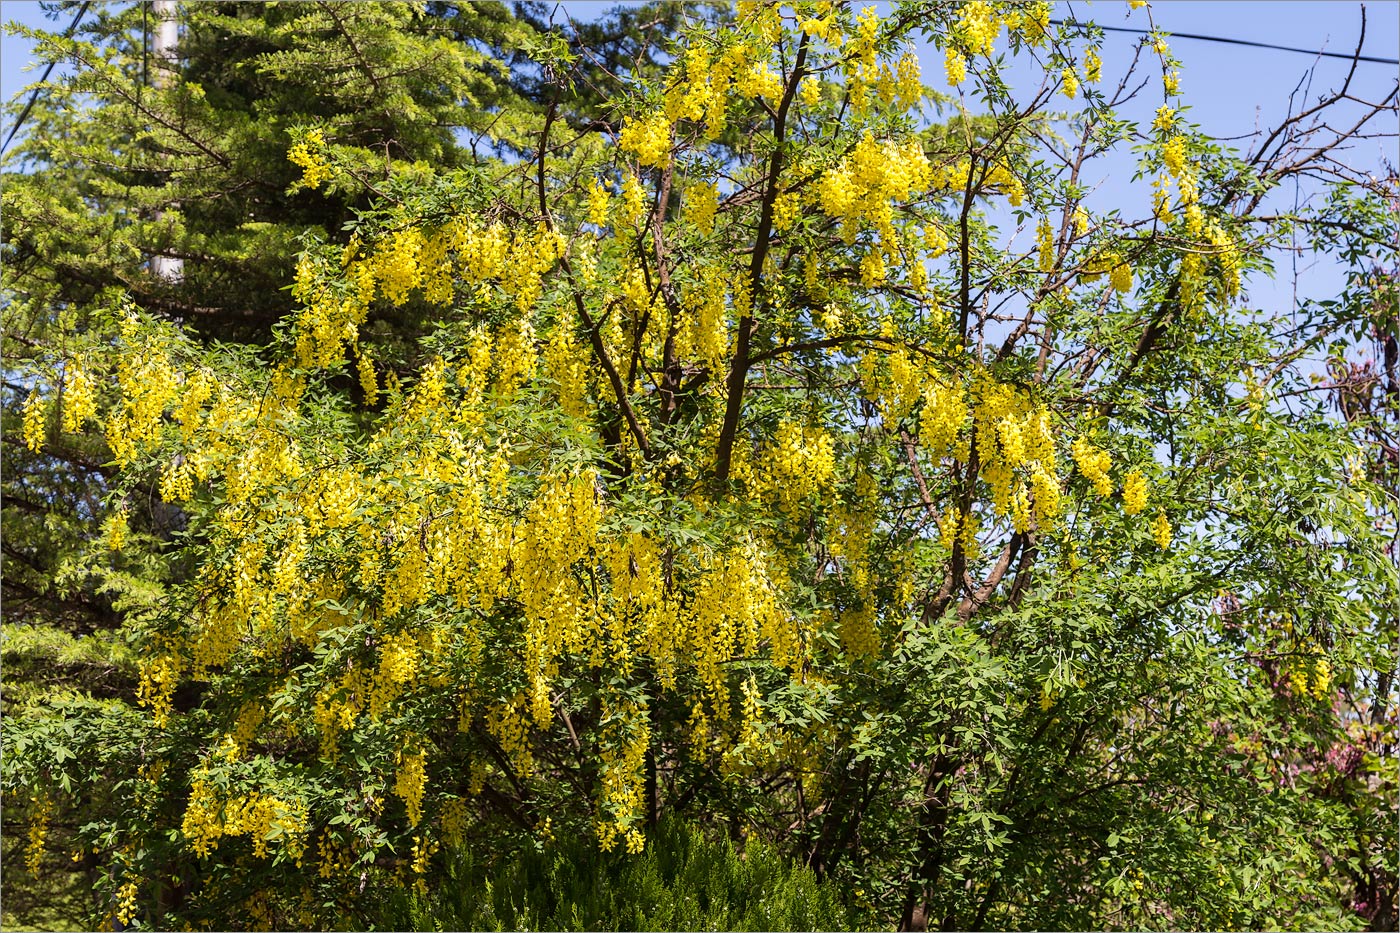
(682, 881)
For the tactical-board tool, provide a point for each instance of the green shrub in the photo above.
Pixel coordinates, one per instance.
(682, 881)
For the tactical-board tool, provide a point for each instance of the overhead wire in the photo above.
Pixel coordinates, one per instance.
(67, 33)
(1058, 22)
(1229, 41)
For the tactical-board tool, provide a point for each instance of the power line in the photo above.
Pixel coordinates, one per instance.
(1257, 45)
(1058, 22)
(67, 33)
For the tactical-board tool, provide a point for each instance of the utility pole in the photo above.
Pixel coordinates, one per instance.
(166, 268)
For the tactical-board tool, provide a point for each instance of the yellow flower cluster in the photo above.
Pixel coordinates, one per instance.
(1162, 531)
(959, 530)
(649, 139)
(308, 156)
(1093, 464)
(1093, 66)
(1045, 492)
(35, 419)
(399, 656)
(454, 820)
(1120, 272)
(640, 619)
(598, 204)
(636, 294)
(561, 526)
(864, 186)
(79, 397)
(977, 27)
(800, 463)
(1035, 22)
(1227, 256)
(198, 389)
(338, 705)
(245, 728)
(409, 784)
(996, 179)
(749, 751)
(160, 674)
(116, 529)
(701, 94)
(893, 379)
(700, 205)
(786, 208)
(1015, 444)
(1215, 244)
(860, 61)
(899, 86)
(734, 607)
(148, 383)
(704, 334)
(1311, 679)
(759, 80)
(1162, 199)
(567, 363)
(860, 636)
(622, 765)
(954, 66)
(335, 860)
(1045, 243)
(1121, 277)
(126, 903)
(409, 259)
(177, 481)
(509, 723)
(634, 201)
(1174, 155)
(257, 815)
(40, 812)
(1069, 83)
(396, 266)
(872, 268)
(823, 28)
(420, 853)
(1134, 492)
(942, 420)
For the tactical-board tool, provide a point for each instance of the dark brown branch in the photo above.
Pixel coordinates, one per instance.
(975, 601)
(739, 366)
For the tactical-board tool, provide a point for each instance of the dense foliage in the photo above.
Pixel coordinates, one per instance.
(781, 444)
(681, 881)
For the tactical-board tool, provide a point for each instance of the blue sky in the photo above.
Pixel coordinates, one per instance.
(1233, 86)
(1234, 90)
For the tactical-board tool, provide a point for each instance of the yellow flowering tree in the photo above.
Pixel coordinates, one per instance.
(800, 444)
